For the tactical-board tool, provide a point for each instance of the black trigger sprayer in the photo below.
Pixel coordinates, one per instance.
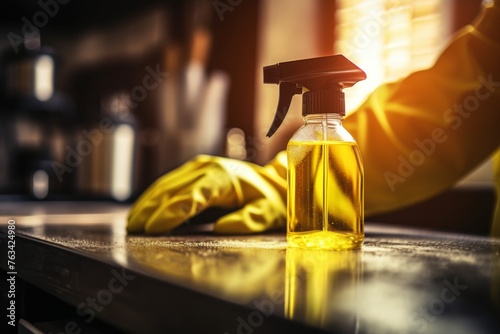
(325, 172)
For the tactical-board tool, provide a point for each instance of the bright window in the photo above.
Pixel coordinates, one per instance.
(389, 39)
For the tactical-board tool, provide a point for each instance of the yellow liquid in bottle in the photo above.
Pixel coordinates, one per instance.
(325, 195)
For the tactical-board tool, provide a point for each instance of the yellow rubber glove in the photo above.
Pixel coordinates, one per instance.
(206, 181)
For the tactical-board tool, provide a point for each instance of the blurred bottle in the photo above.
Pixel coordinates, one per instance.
(36, 123)
(107, 170)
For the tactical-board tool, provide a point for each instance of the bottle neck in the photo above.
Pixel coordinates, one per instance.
(328, 101)
(330, 118)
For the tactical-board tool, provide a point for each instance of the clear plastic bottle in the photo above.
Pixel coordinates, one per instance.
(325, 186)
(325, 172)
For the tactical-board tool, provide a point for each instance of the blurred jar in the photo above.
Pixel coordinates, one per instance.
(105, 149)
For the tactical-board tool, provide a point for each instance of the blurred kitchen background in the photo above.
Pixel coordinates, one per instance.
(99, 98)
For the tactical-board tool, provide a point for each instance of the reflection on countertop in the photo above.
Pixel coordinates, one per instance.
(401, 281)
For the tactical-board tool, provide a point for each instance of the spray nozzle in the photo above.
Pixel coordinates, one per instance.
(323, 78)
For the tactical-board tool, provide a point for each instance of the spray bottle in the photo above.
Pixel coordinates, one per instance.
(325, 172)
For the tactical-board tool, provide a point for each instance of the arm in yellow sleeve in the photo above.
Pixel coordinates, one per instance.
(420, 135)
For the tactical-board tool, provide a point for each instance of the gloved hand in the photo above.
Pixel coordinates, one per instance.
(206, 181)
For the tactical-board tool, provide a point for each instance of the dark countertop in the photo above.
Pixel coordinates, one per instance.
(402, 281)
